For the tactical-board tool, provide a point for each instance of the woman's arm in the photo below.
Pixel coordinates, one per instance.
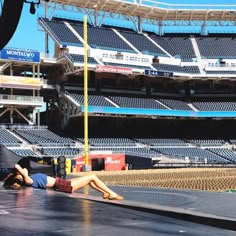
(7, 177)
(24, 173)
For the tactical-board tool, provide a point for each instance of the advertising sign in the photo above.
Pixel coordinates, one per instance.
(20, 82)
(15, 54)
(114, 69)
(110, 161)
(158, 73)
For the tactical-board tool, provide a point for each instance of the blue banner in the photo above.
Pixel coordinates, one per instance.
(158, 73)
(15, 54)
(159, 112)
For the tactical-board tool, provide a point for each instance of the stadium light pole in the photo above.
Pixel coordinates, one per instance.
(86, 149)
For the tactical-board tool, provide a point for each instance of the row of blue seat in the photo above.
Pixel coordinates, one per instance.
(43, 137)
(176, 46)
(154, 102)
(187, 149)
(192, 154)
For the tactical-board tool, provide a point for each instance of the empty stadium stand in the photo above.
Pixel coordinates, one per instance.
(177, 68)
(43, 137)
(226, 153)
(142, 43)
(192, 154)
(217, 46)
(208, 142)
(24, 152)
(177, 46)
(75, 58)
(137, 102)
(59, 151)
(60, 32)
(93, 100)
(163, 142)
(184, 56)
(110, 142)
(175, 104)
(215, 105)
(97, 40)
(128, 65)
(8, 139)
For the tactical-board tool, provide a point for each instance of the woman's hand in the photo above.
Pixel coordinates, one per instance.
(24, 173)
(21, 170)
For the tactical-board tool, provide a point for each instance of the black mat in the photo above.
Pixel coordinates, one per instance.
(46, 212)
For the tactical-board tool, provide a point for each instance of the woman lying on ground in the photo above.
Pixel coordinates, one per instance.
(21, 177)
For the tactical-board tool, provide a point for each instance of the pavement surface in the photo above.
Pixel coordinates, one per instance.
(145, 211)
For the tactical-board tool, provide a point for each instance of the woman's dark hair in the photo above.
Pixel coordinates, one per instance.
(11, 180)
(25, 163)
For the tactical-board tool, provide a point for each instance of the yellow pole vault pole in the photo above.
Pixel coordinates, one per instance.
(86, 149)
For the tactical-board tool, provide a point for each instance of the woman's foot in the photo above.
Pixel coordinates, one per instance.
(105, 195)
(115, 197)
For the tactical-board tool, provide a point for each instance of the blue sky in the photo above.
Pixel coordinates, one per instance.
(28, 36)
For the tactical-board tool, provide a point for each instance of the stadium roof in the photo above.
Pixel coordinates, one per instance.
(158, 11)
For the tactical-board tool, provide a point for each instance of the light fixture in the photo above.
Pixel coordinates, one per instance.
(32, 5)
(32, 8)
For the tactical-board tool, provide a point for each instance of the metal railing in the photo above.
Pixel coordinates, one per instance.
(20, 98)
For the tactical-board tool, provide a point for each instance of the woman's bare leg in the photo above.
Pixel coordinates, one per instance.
(93, 185)
(93, 181)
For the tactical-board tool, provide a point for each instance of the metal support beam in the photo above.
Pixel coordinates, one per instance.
(11, 69)
(160, 29)
(140, 24)
(33, 70)
(38, 70)
(204, 29)
(5, 66)
(5, 111)
(16, 110)
(34, 115)
(46, 34)
(11, 116)
(38, 115)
